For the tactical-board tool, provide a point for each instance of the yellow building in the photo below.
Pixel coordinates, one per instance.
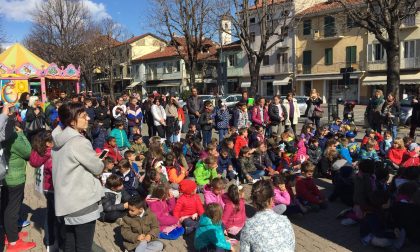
(328, 44)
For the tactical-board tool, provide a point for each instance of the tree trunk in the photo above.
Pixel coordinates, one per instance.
(192, 73)
(111, 85)
(393, 63)
(254, 72)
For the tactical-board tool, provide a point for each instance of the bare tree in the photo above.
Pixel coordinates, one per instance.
(109, 53)
(270, 23)
(383, 18)
(194, 21)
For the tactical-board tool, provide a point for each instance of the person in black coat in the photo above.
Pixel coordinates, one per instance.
(415, 116)
(391, 114)
(147, 115)
(313, 110)
(103, 113)
(195, 106)
(115, 200)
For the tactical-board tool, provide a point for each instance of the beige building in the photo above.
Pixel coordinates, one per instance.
(327, 44)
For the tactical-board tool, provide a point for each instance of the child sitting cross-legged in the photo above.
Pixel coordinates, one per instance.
(281, 195)
(176, 173)
(162, 204)
(140, 228)
(307, 191)
(115, 200)
(396, 152)
(246, 163)
(234, 216)
(128, 176)
(139, 147)
(214, 191)
(131, 157)
(205, 171)
(209, 234)
(369, 152)
(225, 165)
(188, 208)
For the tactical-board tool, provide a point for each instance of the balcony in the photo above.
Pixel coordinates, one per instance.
(406, 63)
(153, 76)
(276, 69)
(327, 34)
(409, 22)
(333, 68)
(284, 68)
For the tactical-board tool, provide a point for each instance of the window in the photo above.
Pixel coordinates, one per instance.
(307, 62)
(266, 60)
(409, 49)
(252, 20)
(252, 37)
(328, 56)
(350, 22)
(178, 66)
(351, 56)
(167, 67)
(378, 52)
(282, 58)
(231, 60)
(307, 27)
(329, 26)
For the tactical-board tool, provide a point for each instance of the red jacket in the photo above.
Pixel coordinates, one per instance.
(256, 118)
(113, 152)
(239, 143)
(188, 205)
(36, 161)
(307, 190)
(396, 155)
(378, 137)
(231, 216)
(411, 158)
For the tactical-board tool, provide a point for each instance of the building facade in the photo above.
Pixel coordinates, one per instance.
(232, 59)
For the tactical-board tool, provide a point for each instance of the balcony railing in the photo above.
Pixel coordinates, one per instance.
(153, 76)
(273, 69)
(333, 68)
(284, 68)
(406, 63)
(328, 33)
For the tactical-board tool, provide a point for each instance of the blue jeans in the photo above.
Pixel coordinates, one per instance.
(394, 130)
(222, 133)
(257, 174)
(206, 137)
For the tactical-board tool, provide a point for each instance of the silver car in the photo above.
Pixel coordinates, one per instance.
(406, 110)
(231, 100)
(301, 100)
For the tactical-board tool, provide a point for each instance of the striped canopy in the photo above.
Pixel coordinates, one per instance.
(17, 55)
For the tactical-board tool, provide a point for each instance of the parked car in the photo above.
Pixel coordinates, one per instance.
(406, 110)
(301, 100)
(231, 100)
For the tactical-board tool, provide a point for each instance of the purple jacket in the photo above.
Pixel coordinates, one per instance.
(281, 197)
(256, 118)
(163, 211)
(210, 197)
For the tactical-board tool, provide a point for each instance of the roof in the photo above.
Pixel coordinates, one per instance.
(135, 38)
(170, 51)
(17, 55)
(269, 2)
(326, 7)
(107, 39)
(231, 46)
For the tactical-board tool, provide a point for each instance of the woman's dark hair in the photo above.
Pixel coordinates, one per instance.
(278, 179)
(69, 113)
(243, 151)
(177, 149)
(157, 99)
(261, 194)
(149, 178)
(160, 191)
(40, 140)
(22, 97)
(214, 211)
(113, 181)
(233, 194)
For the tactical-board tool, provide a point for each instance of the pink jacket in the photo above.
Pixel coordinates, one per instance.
(256, 118)
(281, 197)
(163, 209)
(36, 161)
(210, 197)
(231, 216)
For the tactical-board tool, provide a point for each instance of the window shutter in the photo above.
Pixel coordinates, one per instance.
(370, 53)
(417, 52)
(353, 54)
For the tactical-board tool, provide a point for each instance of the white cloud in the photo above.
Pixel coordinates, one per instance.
(22, 10)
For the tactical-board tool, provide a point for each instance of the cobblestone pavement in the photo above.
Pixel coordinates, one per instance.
(314, 232)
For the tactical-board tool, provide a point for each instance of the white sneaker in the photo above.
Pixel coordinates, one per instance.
(255, 181)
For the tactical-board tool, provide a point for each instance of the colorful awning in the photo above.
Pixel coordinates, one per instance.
(17, 55)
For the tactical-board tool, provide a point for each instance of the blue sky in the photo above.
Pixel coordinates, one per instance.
(131, 14)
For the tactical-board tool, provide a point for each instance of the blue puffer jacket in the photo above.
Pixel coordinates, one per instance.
(99, 135)
(208, 233)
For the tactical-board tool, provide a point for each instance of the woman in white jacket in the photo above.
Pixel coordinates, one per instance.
(293, 112)
(159, 116)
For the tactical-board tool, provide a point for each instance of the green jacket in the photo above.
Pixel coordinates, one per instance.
(203, 175)
(17, 150)
(208, 233)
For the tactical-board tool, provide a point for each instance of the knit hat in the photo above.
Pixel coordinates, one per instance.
(370, 131)
(413, 146)
(187, 186)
